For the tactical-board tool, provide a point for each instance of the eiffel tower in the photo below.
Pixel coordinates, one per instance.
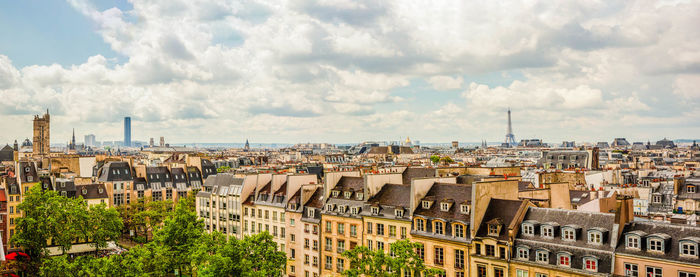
(510, 138)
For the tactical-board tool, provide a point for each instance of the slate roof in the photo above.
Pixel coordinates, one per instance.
(350, 183)
(499, 211)
(674, 233)
(416, 172)
(7, 153)
(27, 173)
(92, 191)
(579, 248)
(388, 199)
(683, 190)
(442, 191)
(115, 171)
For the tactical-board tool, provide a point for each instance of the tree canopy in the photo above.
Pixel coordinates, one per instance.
(403, 257)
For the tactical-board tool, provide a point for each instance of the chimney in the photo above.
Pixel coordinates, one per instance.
(624, 211)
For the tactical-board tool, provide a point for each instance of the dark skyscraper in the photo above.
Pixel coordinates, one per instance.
(127, 131)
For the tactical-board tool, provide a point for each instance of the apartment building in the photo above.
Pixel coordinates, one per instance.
(219, 204)
(341, 222)
(304, 225)
(118, 178)
(386, 217)
(440, 210)
(654, 249)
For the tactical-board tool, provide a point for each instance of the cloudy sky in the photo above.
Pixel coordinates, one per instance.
(347, 71)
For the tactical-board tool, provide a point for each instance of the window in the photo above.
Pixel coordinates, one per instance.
(691, 189)
(369, 227)
(310, 213)
(340, 264)
(439, 255)
(521, 273)
(464, 209)
(348, 194)
(656, 245)
(490, 250)
(426, 204)
(459, 259)
(380, 229)
(444, 207)
(568, 234)
(329, 207)
(403, 232)
(689, 249)
(421, 252)
(543, 256)
(548, 231)
(354, 210)
(380, 245)
(398, 212)
(686, 274)
(292, 238)
(328, 227)
(481, 270)
(459, 230)
(358, 195)
(341, 246)
(353, 230)
(595, 237)
(341, 228)
(329, 262)
(631, 270)
(498, 272)
(564, 260)
(654, 271)
(420, 225)
(369, 244)
(523, 253)
(493, 230)
(291, 220)
(541, 275)
(375, 210)
(335, 193)
(590, 264)
(528, 229)
(341, 209)
(438, 228)
(632, 242)
(329, 244)
(392, 231)
(656, 198)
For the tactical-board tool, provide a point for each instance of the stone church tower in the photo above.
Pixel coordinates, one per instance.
(42, 135)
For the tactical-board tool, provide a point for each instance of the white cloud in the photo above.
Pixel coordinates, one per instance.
(446, 82)
(254, 67)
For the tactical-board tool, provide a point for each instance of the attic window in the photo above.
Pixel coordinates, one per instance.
(329, 207)
(335, 193)
(595, 237)
(656, 245)
(310, 213)
(354, 210)
(464, 209)
(100, 190)
(398, 212)
(689, 249)
(444, 207)
(30, 179)
(528, 229)
(348, 194)
(691, 189)
(84, 191)
(568, 234)
(426, 204)
(375, 210)
(292, 206)
(26, 169)
(493, 229)
(341, 209)
(632, 241)
(547, 231)
(358, 196)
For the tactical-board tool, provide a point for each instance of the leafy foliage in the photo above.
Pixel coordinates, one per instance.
(403, 258)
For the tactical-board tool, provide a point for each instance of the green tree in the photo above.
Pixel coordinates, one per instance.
(105, 225)
(223, 169)
(253, 256)
(178, 237)
(435, 159)
(403, 258)
(446, 160)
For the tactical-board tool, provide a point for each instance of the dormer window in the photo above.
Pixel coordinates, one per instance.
(292, 206)
(354, 210)
(30, 178)
(564, 259)
(310, 213)
(590, 264)
(464, 209)
(523, 253)
(547, 231)
(426, 204)
(568, 234)
(542, 256)
(439, 227)
(689, 249)
(100, 190)
(420, 224)
(375, 210)
(348, 194)
(493, 229)
(398, 212)
(528, 229)
(632, 242)
(26, 169)
(656, 244)
(329, 207)
(335, 193)
(341, 209)
(691, 189)
(656, 199)
(359, 195)
(595, 237)
(84, 191)
(444, 207)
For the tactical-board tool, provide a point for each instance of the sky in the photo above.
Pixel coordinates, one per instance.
(349, 71)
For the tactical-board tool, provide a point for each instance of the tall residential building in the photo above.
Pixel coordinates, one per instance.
(127, 131)
(90, 140)
(303, 225)
(42, 135)
(162, 141)
(219, 204)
